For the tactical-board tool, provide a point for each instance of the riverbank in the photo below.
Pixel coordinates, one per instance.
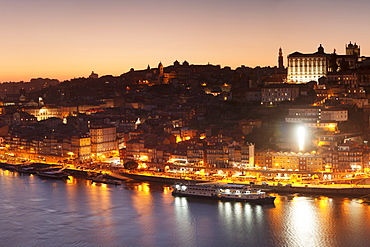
(340, 190)
(333, 189)
(160, 179)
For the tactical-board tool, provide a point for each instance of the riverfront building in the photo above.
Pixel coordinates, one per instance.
(103, 140)
(289, 160)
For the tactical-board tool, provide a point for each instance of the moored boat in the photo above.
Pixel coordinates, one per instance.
(10, 167)
(106, 181)
(208, 190)
(227, 192)
(236, 192)
(60, 174)
(27, 169)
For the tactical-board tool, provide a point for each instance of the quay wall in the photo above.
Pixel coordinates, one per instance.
(354, 191)
(167, 180)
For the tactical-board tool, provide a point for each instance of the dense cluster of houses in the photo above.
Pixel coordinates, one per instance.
(162, 115)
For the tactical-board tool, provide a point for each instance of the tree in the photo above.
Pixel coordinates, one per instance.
(131, 165)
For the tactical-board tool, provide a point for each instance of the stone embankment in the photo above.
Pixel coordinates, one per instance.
(336, 189)
(340, 190)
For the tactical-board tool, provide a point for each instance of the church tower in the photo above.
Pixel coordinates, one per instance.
(160, 69)
(280, 59)
(160, 76)
(353, 49)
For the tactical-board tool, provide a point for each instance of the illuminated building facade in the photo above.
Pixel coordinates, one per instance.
(303, 68)
(80, 147)
(242, 155)
(103, 140)
(135, 149)
(311, 162)
(347, 157)
(196, 154)
(45, 112)
(289, 160)
(216, 156)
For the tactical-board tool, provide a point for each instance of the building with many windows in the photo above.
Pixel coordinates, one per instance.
(303, 68)
(80, 147)
(315, 114)
(103, 140)
(45, 112)
(290, 161)
(277, 93)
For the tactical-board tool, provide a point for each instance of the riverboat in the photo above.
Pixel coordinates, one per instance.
(106, 181)
(27, 169)
(60, 174)
(238, 192)
(209, 190)
(226, 192)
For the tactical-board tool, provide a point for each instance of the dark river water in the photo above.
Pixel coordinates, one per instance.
(40, 212)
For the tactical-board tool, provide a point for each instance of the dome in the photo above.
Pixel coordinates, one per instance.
(320, 49)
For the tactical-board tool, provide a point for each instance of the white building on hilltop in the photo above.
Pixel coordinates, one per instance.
(303, 68)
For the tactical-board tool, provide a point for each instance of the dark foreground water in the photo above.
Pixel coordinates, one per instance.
(39, 212)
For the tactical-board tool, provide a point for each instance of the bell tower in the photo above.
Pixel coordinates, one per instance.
(280, 59)
(160, 69)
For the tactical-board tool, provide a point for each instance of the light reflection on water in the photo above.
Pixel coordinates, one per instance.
(42, 212)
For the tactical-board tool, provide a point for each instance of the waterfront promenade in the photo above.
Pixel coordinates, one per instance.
(352, 186)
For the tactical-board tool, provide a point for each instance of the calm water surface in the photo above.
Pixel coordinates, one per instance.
(39, 212)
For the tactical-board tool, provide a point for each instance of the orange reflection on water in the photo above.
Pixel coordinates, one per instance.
(71, 180)
(323, 203)
(143, 204)
(297, 222)
(100, 202)
(9, 173)
(357, 216)
(167, 190)
(144, 187)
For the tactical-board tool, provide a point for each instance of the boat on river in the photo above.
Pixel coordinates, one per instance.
(27, 169)
(226, 192)
(105, 180)
(60, 174)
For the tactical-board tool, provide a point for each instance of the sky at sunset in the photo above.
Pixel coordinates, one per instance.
(64, 39)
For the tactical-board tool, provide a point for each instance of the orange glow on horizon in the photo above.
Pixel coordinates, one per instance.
(61, 40)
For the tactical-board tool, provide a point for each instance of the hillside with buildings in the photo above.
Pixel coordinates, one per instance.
(312, 115)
